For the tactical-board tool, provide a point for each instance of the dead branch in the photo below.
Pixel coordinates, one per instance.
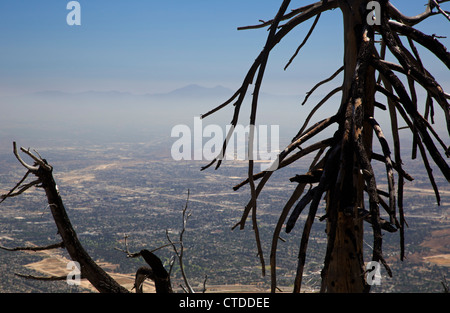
(429, 172)
(445, 13)
(413, 70)
(159, 273)
(276, 234)
(290, 159)
(259, 78)
(395, 165)
(396, 102)
(398, 160)
(307, 198)
(156, 272)
(327, 179)
(11, 192)
(429, 42)
(445, 284)
(316, 107)
(42, 278)
(142, 274)
(385, 225)
(292, 14)
(388, 162)
(275, 38)
(304, 41)
(309, 93)
(89, 269)
(35, 249)
(408, 106)
(410, 20)
(180, 253)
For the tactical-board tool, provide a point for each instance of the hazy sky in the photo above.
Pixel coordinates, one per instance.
(157, 46)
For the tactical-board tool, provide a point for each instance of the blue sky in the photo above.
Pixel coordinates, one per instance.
(138, 46)
(157, 46)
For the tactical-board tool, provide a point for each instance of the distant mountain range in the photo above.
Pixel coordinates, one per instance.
(192, 90)
(94, 113)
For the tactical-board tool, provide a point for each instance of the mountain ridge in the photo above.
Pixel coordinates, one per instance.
(188, 90)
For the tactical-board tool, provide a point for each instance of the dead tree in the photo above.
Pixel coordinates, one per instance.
(89, 269)
(342, 172)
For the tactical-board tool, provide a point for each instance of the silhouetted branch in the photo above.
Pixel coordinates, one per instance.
(273, 40)
(43, 278)
(276, 234)
(180, 253)
(445, 13)
(410, 20)
(89, 269)
(309, 93)
(430, 42)
(142, 274)
(35, 249)
(388, 162)
(304, 41)
(419, 122)
(289, 16)
(11, 192)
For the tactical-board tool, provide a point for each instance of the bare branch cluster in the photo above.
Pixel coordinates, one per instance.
(338, 156)
(161, 277)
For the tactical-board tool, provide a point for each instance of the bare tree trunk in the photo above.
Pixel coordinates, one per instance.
(345, 269)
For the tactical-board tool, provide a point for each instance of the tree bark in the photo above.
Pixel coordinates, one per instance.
(345, 269)
(89, 269)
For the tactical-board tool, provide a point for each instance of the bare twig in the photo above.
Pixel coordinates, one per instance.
(27, 166)
(204, 284)
(445, 284)
(180, 253)
(436, 4)
(304, 41)
(309, 93)
(11, 192)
